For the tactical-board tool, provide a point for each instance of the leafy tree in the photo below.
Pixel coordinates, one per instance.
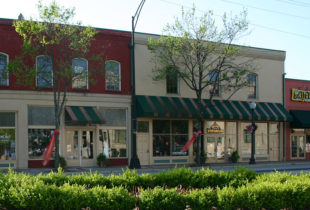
(56, 36)
(201, 53)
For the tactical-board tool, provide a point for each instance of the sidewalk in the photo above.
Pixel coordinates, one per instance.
(260, 167)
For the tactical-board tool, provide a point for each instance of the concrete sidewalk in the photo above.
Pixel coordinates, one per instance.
(261, 167)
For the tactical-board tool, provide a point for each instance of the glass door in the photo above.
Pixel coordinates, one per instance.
(298, 147)
(215, 148)
(79, 147)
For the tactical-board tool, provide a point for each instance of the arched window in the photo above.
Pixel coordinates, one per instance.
(4, 74)
(80, 73)
(252, 85)
(44, 70)
(113, 76)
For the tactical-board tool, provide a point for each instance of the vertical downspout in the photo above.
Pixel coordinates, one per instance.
(284, 123)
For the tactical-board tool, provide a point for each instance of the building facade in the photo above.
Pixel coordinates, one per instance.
(297, 98)
(96, 117)
(167, 113)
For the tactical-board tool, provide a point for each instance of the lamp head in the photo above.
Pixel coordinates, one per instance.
(252, 105)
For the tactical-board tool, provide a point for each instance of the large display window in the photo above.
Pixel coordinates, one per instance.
(169, 137)
(41, 122)
(112, 137)
(7, 136)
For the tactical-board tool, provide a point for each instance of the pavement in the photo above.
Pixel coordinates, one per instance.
(260, 167)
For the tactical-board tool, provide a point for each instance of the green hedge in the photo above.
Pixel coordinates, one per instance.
(171, 178)
(241, 188)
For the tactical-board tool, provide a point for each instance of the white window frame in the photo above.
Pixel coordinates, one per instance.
(7, 63)
(119, 79)
(37, 72)
(87, 86)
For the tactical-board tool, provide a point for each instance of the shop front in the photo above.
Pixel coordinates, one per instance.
(87, 131)
(165, 125)
(298, 131)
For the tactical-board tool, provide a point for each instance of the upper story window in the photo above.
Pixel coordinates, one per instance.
(172, 82)
(80, 73)
(252, 91)
(113, 76)
(44, 68)
(215, 84)
(4, 79)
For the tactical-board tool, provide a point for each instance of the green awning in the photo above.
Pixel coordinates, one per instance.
(82, 115)
(175, 107)
(301, 119)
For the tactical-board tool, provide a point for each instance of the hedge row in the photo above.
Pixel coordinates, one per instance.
(172, 178)
(271, 191)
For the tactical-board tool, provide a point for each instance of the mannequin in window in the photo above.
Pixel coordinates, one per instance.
(85, 150)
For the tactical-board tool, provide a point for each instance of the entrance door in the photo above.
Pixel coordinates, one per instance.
(79, 145)
(298, 146)
(143, 149)
(274, 148)
(215, 148)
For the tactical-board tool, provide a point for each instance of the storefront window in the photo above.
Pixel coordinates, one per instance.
(7, 144)
(112, 142)
(261, 137)
(7, 136)
(38, 140)
(169, 137)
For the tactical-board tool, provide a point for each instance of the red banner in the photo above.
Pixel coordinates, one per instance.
(48, 153)
(186, 146)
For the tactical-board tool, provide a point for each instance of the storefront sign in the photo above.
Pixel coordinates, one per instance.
(5, 138)
(215, 128)
(300, 95)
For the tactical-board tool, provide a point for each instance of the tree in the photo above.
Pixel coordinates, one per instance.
(61, 40)
(202, 54)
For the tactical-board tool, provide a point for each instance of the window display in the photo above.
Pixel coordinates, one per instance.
(38, 140)
(112, 142)
(7, 144)
(169, 137)
(7, 136)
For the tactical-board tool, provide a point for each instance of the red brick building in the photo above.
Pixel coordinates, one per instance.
(26, 114)
(297, 101)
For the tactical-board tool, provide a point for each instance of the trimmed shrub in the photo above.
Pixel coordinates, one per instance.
(160, 198)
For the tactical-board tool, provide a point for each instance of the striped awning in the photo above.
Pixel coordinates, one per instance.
(175, 107)
(82, 115)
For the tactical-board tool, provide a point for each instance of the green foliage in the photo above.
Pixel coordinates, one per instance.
(197, 47)
(160, 198)
(239, 189)
(174, 177)
(102, 160)
(234, 157)
(62, 162)
(201, 199)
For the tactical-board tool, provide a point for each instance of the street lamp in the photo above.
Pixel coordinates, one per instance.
(252, 130)
(134, 160)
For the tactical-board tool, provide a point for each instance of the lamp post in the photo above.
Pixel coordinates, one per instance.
(252, 107)
(134, 160)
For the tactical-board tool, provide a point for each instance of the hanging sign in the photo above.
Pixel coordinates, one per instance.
(300, 95)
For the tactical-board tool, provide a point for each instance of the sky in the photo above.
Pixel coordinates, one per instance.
(273, 24)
